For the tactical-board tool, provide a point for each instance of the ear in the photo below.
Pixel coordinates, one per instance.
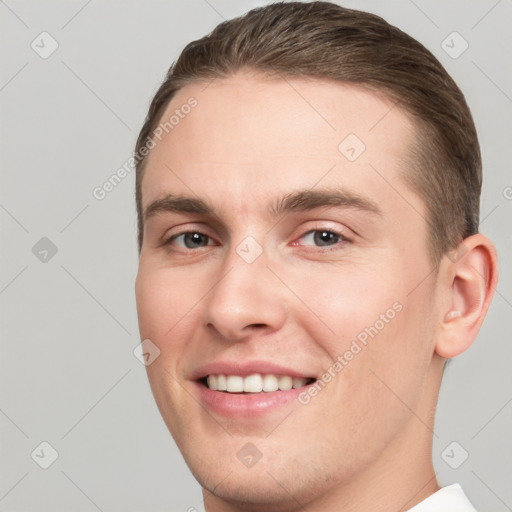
(469, 275)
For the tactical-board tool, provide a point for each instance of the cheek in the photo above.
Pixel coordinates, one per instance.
(163, 299)
(152, 297)
(164, 307)
(350, 303)
(379, 330)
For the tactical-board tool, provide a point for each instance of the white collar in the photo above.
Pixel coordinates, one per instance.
(447, 499)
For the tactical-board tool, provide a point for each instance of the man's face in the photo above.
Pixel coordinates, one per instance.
(315, 251)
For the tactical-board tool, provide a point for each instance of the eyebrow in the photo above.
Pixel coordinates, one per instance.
(302, 200)
(178, 204)
(310, 199)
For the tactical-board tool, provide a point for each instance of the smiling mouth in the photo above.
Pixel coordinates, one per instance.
(254, 383)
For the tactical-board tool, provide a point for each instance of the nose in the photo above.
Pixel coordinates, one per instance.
(246, 298)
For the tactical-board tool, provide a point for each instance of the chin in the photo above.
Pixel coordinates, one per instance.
(280, 481)
(258, 490)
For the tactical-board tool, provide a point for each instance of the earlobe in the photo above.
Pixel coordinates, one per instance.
(469, 282)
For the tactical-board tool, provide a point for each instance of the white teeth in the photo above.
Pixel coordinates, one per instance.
(212, 382)
(234, 384)
(270, 383)
(298, 382)
(285, 383)
(221, 383)
(255, 383)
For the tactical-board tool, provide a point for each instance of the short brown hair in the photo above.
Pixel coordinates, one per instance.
(326, 41)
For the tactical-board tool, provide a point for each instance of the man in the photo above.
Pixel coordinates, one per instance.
(308, 187)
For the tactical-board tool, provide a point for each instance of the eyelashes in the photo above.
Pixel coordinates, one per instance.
(190, 240)
(322, 238)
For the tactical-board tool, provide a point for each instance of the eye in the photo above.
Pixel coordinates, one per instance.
(322, 238)
(190, 240)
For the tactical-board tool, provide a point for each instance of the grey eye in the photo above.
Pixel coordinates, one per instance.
(323, 238)
(192, 240)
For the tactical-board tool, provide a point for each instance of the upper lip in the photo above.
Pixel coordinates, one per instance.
(246, 368)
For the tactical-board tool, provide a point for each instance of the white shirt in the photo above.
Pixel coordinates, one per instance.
(447, 499)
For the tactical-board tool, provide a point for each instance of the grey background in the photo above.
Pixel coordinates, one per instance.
(69, 328)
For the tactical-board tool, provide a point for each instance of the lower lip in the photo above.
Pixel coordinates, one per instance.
(245, 405)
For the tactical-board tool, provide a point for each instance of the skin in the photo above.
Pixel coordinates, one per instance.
(364, 442)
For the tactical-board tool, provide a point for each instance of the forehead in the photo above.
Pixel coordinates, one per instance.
(250, 133)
